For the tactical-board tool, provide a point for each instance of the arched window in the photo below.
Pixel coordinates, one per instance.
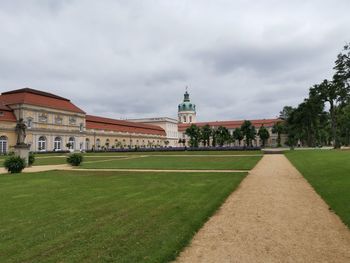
(184, 118)
(190, 119)
(57, 144)
(107, 143)
(3, 144)
(87, 144)
(98, 143)
(71, 142)
(42, 143)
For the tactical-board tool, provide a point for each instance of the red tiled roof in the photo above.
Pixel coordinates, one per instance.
(38, 98)
(231, 124)
(107, 124)
(6, 114)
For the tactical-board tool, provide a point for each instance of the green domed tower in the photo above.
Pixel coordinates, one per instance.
(187, 110)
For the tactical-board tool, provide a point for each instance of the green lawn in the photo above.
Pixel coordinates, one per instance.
(179, 153)
(48, 160)
(328, 171)
(178, 162)
(60, 158)
(74, 216)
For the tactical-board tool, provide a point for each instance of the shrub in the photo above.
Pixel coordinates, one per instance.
(31, 159)
(75, 159)
(14, 164)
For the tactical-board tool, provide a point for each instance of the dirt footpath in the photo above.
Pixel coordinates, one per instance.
(274, 216)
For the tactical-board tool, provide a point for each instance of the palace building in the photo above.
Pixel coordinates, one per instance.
(54, 123)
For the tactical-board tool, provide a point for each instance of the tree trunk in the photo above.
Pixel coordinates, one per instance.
(334, 126)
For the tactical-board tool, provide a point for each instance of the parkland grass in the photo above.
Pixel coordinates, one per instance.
(177, 162)
(75, 216)
(328, 171)
(60, 158)
(248, 152)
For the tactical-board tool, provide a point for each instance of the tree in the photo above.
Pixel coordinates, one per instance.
(248, 131)
(336, 92)
(278, 128)
(344, 123)
(237, 135)
(342, 68)
(321, 119)
(264, 135)
(194, 133)
(206, 133)
(285, 112)
(214, 133)
(222, 135)
(329, 92)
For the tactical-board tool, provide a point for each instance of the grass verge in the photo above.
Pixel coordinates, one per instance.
(328, 171)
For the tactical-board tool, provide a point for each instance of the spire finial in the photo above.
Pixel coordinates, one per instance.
(186, 95)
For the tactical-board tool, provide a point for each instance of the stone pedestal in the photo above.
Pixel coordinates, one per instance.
(22, 150)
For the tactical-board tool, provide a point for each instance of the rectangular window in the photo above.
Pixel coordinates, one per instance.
(58, 120)
(43, 118)
(29, 123)
(72, 120)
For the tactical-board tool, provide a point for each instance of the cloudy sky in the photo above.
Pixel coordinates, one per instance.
(240, 59)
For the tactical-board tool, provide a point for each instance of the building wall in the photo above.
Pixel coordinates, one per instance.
(169, 125)
(187, 117)
(7, 129)
(99, 139)
(50, 124)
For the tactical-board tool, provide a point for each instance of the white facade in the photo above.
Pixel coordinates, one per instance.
(170, 126)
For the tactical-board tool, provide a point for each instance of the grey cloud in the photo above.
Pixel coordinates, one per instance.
(240, 59)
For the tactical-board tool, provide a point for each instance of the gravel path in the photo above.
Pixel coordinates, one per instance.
(274, 216)
(40, 168)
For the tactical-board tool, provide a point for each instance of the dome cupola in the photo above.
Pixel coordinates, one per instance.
(186, 105)
(187, 110)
